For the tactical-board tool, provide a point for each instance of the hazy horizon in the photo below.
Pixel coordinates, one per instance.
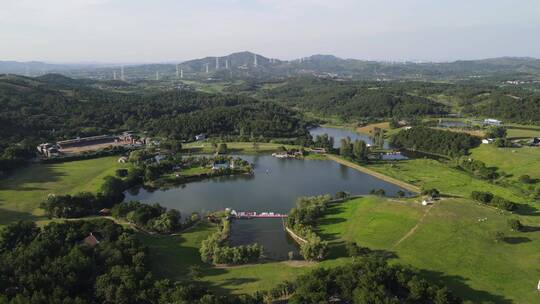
(162, 31)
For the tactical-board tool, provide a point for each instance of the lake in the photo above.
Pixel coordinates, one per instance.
(275, 186)
(338, 134)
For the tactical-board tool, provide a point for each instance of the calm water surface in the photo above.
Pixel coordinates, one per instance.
(275, 186)
(338, 134)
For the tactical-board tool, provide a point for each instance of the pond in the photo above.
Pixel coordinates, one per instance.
(274, 187)
(452, 124)
(338, 134)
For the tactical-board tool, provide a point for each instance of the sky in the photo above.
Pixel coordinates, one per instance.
(128, 31)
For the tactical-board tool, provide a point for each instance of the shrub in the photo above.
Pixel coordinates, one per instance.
(121, 172)
(341, 195)
(431, 192)
(526, 179)
(515, 224)
(483, 197)
(379, 192)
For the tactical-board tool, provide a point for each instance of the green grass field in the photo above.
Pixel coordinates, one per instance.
(518, 130)
(236, 147)
(515, 161)
(447, 242)
(428, 173)
(22, 192)
(511, 133)
(171, 257)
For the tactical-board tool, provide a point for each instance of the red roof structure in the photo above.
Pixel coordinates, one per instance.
(90, 240)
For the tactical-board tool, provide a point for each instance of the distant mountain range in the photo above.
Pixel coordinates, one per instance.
(244, 65)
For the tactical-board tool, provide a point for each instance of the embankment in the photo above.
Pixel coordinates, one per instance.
(378, 175)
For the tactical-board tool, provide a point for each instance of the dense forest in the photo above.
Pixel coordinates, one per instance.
(45, 110)
(434, 141)
(524, 108)
(368, 280)
(86, 262)
(54, 107)
(359, 100)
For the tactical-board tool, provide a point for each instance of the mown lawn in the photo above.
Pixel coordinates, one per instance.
(450, 245)
(22, 192)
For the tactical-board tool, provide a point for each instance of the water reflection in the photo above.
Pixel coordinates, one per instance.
(275, 186)
(338, 134)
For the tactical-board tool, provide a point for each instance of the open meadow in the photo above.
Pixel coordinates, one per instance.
(447, 241)
(515, 161)
(24, 190)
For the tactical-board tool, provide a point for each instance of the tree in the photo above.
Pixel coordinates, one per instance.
(515, 224)
(345, 148)
(379, 192)
(195, 272)
(18, 233)
(354, 250)
(360, 150)
(498, 236)
(526, 179)
(377, 135)
(341, 195)
(314, 249)
(121, 172)
(496, 132)
(222, 148)
(434, 193)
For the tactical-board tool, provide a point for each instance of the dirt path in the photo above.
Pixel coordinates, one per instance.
(413, 229)
(378, 175)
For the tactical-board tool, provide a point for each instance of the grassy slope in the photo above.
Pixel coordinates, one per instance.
(510, 160)
(22, 192)
(449, 244)
(429, 173)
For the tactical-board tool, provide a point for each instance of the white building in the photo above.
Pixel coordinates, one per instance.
(492, 122)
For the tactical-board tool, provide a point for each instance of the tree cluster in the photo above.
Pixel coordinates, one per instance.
(215, 250)
(53, 265)
(149, 217)
(492, 200)
(357, 150)
(368, 280)
(324, 141)
(434, 141)
(479, 169)
(302, 220)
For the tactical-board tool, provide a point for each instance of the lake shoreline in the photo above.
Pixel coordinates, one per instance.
(378, 175)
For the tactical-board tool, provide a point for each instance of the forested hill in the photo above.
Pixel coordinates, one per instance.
(352, 99)
(34, 110)
(522, 108)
